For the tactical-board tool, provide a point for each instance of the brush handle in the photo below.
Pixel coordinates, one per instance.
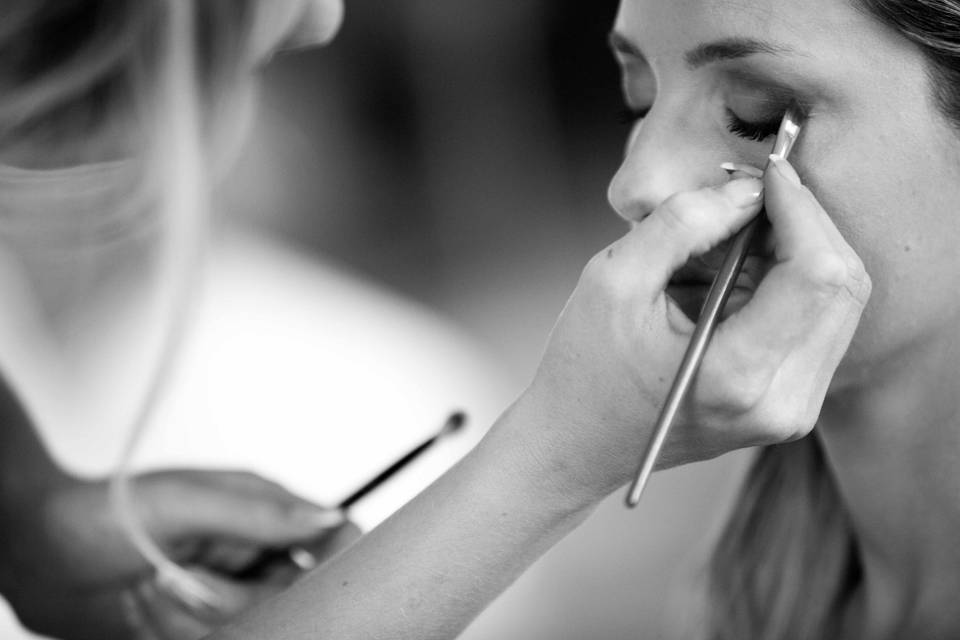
(720, 290)
(723, 284)
(453, 423)
(300, 555)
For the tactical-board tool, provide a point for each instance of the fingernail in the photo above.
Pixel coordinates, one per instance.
(746, 192)
(304, 560)
(785, 169)
(737, 167)
(325, 519)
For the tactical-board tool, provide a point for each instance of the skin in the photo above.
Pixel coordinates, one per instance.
(883, 162)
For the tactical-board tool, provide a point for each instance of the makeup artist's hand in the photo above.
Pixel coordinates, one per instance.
(69, 571)
(615, 348)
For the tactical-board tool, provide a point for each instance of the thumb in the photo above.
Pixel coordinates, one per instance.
(180, 506)
(793, 212)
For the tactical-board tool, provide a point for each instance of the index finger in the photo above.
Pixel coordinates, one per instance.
(690, 223)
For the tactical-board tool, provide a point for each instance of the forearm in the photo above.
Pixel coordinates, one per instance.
(433, 566)
(25, 464)
(28, 474)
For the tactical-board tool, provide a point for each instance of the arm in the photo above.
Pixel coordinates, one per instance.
(69, 571)
(576, 433)
(25, 465)
(432, 567)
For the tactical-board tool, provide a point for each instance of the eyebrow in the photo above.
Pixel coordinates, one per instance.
(715, 51)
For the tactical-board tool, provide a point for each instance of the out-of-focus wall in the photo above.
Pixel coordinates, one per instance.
(459, 152)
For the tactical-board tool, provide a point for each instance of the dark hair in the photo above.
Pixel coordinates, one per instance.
(934, 27)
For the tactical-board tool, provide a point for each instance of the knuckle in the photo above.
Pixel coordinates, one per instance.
(824, 271)
(831, 274)
(605, 279)
(742, 391)
(594, 275)
(746, 392)
(595, 267)
(859, 283)
(735, 387)
(682, 212)
(783, 423)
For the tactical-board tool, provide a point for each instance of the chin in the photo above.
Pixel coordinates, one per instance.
(321, 22)
(293, 24)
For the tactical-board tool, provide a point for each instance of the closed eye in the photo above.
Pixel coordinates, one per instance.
(756, 131)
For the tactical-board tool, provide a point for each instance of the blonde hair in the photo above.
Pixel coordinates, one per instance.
(78, 77)
(84, 83)
(785, 565)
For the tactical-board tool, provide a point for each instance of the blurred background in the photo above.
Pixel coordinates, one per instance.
(445, 150)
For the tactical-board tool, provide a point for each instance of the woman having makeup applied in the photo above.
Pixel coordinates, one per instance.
(849, 530)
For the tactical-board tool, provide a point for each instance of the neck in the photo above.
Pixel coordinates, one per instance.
(894, 446)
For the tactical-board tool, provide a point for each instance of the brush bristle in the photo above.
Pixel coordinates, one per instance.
(455, 422)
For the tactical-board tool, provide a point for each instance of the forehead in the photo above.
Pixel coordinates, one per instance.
(664, 26)
(833, 47)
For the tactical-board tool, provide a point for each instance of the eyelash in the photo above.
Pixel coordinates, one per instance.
(756, 131)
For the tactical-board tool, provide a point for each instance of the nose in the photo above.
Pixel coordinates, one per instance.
(661, 159)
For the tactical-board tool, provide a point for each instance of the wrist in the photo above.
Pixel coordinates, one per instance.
(525, 447)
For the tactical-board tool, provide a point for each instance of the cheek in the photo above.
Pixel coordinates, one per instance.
(898, 217)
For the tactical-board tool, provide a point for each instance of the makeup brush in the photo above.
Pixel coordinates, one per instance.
(454, 423)
(720, 290)
(300, 555)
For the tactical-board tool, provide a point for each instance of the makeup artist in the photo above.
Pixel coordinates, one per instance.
(77, 94)
(709, 81)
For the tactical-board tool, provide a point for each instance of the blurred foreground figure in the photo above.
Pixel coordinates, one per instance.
(113, 116)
